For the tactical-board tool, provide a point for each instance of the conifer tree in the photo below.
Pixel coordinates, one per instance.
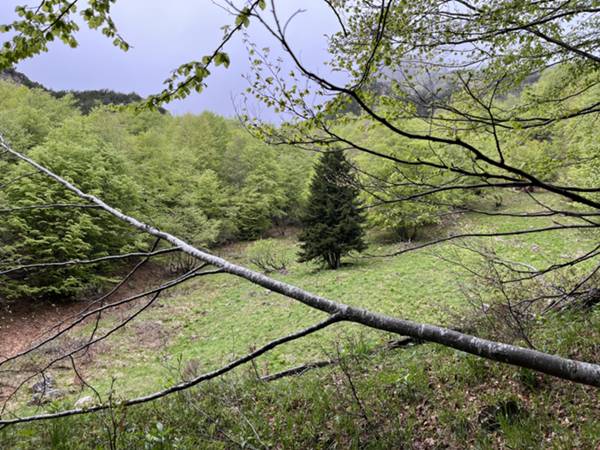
(332, 222)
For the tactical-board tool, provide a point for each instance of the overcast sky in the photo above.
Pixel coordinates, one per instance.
(164, 34)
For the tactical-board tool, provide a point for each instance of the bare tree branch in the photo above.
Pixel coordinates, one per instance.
(73, 262)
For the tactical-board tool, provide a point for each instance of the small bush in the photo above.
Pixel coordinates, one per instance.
(269, 256)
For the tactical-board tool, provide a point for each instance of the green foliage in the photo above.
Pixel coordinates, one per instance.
(202, 178)
(580, 137)
(28, 115)
(88, 100)
(418, 286)
(65, 233)
(85, 101)
(53, 20)
(222, 184)
(332, 223)
(546, 151)
(237, 186)
(435, 397)
(261, 199)
(392, 192)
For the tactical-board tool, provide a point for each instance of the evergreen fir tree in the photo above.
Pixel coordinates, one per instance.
(332, 222)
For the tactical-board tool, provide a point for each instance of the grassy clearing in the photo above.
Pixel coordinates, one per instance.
(209, 321)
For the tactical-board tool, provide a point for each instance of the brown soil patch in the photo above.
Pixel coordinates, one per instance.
(24, 322)
(152, 335)
(21, 323)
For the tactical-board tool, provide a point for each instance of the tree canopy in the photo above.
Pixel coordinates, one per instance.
(222, 185)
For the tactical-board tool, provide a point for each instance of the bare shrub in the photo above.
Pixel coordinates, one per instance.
(508, 298)
(269, 255)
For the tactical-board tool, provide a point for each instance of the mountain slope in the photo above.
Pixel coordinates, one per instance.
(84, 100)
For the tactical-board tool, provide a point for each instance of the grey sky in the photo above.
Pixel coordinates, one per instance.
(165, 34)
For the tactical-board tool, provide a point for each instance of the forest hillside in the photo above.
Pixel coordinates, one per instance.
(392, 241)
(207, 179)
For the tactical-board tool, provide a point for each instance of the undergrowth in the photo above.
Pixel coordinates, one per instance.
(423, 396)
